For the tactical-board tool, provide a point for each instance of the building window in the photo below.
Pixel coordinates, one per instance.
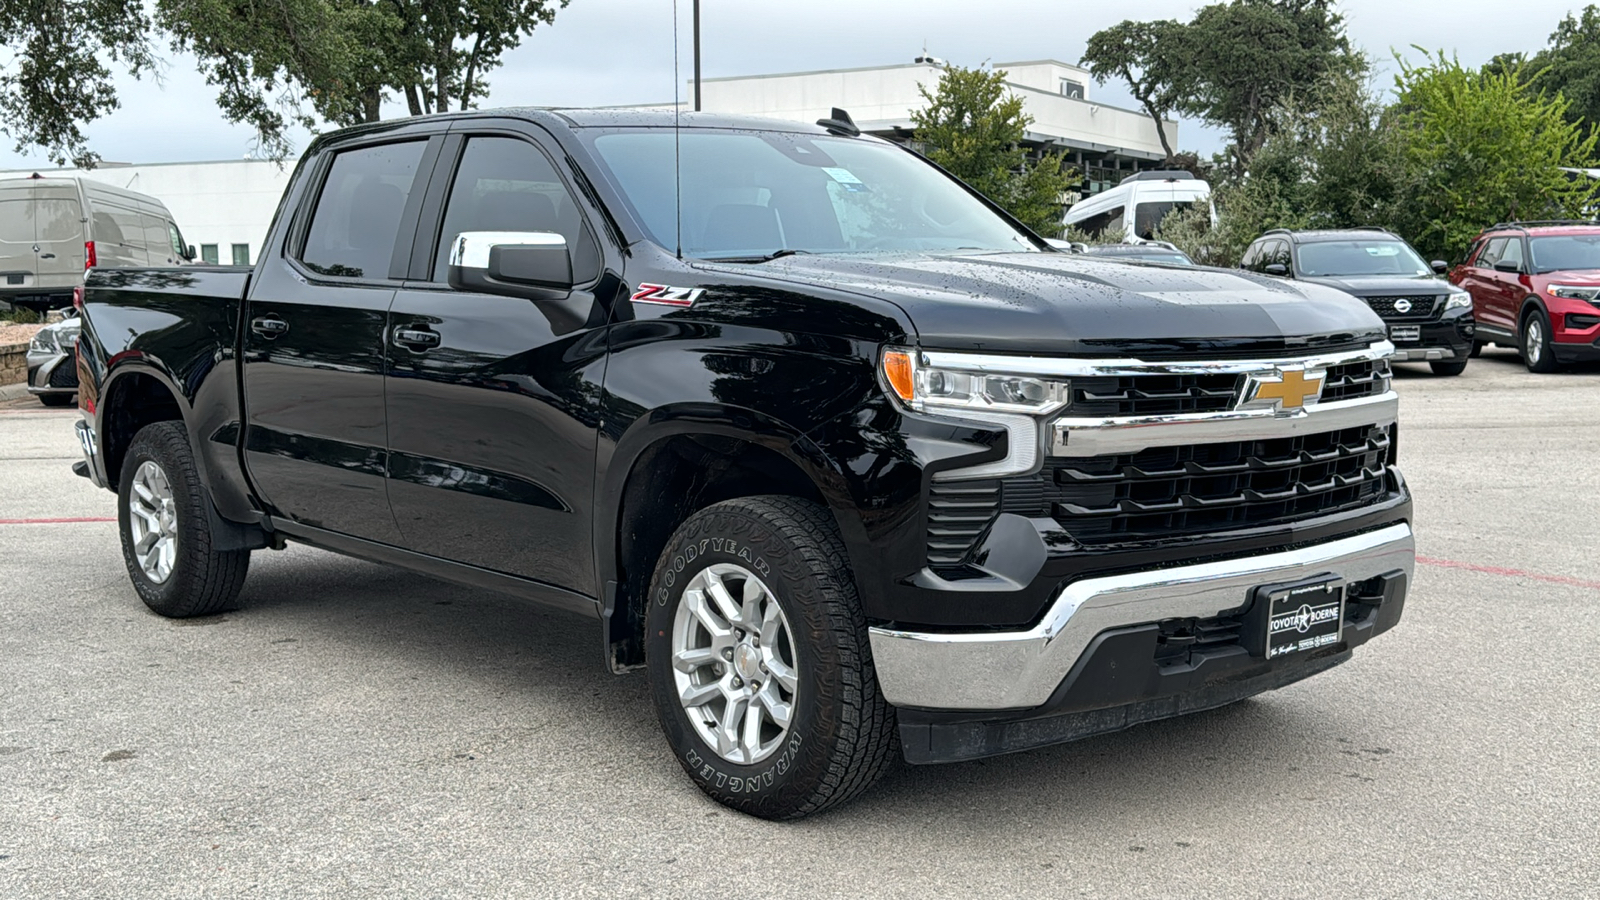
(208, 253)
(1073, 89)
(241, 254)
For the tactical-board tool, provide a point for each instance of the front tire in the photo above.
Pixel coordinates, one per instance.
(759, 660)
(1448, 367)
(56, 400)
(1536, 350)
(166, 532)
(1477, 349)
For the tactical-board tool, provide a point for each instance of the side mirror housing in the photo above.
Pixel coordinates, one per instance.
(1440, 266)
(1508, 266)
(1278, 269)
(529, 264)
(189, 254)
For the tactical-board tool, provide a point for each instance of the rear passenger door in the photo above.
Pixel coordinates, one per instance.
(493, 409)
(314, 339)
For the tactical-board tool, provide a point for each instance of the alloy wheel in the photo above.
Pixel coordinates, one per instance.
(1535, 341)
(153, 522)
(734, 663)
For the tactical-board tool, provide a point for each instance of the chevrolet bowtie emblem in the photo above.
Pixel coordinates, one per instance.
(1290, 391)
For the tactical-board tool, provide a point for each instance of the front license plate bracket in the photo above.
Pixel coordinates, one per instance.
(1287, 619)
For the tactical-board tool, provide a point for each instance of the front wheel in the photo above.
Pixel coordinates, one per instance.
(1477, 349)
(166, 532)
(759, 660)
(1448, 367)
(1536, 350)
(56, 400)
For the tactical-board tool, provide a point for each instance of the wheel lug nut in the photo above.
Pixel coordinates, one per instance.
(737, 681)
(728, 653)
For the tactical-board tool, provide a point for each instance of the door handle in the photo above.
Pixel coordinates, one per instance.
(269, 327)
(416, 338)
(47, 256)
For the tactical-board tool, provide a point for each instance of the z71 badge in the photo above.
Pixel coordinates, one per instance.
(663, 295)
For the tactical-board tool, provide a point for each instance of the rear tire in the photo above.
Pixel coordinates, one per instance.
(1536, 350)
(1448, 367)
(56, 400)
(166, 529)
(823, 732)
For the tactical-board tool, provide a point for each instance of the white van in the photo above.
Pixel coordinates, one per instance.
(1132, 210)
(52, 229)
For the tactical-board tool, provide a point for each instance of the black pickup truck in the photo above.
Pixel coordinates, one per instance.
(855, 465)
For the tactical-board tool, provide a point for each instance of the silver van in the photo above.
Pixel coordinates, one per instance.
(51, 229)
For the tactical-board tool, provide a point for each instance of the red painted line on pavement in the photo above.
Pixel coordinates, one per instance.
(1510, 573)
(57, 521)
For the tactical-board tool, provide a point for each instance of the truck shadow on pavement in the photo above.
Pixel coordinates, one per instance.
(545, 668)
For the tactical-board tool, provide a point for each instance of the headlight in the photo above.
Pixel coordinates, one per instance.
(1574, 291)
(1458, 300)
(954, 387)
(43, 342)
(969, 388)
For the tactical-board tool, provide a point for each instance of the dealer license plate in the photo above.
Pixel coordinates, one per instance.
(1405, 332)
(15, 279)
(1298, 618)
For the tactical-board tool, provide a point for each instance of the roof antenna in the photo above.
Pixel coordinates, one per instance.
(840, 123)
(677, 106)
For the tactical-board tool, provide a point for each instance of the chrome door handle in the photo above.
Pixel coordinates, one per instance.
(418, 339)
(269, 327)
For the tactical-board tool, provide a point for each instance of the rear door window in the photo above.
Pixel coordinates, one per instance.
(59, 219)
(1491, 253)
(16, 223)
(358, 214)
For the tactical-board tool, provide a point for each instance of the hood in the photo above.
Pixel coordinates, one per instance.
(1053, 303)
(1384, 285)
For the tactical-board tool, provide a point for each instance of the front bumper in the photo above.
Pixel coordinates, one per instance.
(1022, 670)
(1447, 338)
(54, 372)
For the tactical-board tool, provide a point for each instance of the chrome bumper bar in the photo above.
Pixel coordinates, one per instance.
(1101, 437)
(1415, 354)
(1021, 669)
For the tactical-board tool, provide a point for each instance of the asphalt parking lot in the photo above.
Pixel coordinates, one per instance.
(356, 731)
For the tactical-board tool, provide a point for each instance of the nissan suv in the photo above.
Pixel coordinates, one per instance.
(1427, 318)
(1536, 286)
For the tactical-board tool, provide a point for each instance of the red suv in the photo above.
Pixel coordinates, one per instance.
(1536, 285)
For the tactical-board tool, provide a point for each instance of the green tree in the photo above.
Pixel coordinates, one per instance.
(1479, 148)
(294, 61)
(54, 77)
(1152, 58)
(972, 127)
(1571, 65)
(1249, 59)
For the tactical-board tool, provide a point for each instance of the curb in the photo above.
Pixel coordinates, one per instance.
(13, 391)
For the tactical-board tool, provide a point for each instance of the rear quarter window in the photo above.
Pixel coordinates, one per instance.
(358, 213)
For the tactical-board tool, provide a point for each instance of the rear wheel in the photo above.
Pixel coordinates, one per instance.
(1448, 367)
(759, 660)
(166, 529)
(1536, 350)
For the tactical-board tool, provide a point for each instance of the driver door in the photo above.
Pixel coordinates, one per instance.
(492, 408)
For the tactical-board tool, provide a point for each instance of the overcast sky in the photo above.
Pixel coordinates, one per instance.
(605, 52)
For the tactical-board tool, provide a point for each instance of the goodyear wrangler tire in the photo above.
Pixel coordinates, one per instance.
(166, 534)
(759, 660)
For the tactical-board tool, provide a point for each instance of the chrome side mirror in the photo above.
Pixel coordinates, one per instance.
(528, 264)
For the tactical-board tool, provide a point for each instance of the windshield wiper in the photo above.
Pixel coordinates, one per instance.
(767, 257)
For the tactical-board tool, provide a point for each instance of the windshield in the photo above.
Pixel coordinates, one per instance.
(1567, 251)
(1382, 257)
(753, 193)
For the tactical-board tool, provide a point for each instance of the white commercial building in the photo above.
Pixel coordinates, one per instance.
(223, 208)
(1105, 142)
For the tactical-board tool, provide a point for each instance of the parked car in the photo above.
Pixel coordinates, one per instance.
(1536, 286)
(52, 229)
(53, 361)
(1427, 318)
(1148, 251)
(1133, 209)
(867, 470)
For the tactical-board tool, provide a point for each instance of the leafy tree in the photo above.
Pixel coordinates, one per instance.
(1479, 148)
(53, 73)
(1249, 59)
(292, 61)
(1571, 65)
(1151, 58)
(971, 127)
